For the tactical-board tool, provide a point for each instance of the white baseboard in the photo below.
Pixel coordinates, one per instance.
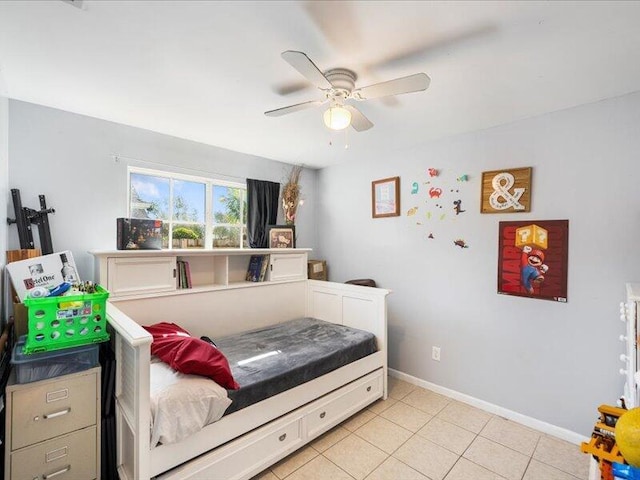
(530, 422)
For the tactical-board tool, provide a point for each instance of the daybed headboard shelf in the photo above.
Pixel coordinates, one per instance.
(145, 273)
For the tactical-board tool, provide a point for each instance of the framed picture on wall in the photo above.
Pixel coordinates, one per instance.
(385, 197)
(506, 191)
(281, 236)
(533, 259)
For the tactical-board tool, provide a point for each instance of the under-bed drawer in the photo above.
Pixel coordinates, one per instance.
(239, 458)
(348, 400)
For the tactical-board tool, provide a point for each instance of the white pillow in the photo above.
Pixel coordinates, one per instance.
(181, 404)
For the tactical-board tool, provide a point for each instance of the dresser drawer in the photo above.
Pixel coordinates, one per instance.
(47, 409)
(343, 403)
(69, 457)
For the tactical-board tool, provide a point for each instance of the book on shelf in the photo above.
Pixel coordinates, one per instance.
(255, 268)
(184, 274)
(264, 267)
(187, 271)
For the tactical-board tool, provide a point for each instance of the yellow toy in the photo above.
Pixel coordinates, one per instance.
(628, 436)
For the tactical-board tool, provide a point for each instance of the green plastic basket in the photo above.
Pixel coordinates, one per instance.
(68, 321)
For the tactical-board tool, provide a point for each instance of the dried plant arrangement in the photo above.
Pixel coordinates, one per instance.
(291, 195)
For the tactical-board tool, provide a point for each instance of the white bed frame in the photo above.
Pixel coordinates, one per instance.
(242, 444)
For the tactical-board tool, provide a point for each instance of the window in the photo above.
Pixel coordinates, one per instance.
(196, 212)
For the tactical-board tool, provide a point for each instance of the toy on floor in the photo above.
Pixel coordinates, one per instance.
(603, 444)
(628, 436)
(625, 472)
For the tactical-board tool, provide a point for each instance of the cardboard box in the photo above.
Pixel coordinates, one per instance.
(46, 271)
(139, 234)
(317, 270)
(20, 319)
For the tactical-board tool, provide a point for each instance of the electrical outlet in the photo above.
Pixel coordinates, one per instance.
(435, 353)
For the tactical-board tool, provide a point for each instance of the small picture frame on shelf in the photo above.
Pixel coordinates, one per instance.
(281, 236)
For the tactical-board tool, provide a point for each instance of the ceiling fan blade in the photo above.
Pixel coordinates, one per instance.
(359, 122)
(338, 25)
(278, 112)
(307, 68)
(289, 88)
(412, 83)
(437, 47)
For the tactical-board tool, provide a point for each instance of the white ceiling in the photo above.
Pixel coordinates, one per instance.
(208, 70)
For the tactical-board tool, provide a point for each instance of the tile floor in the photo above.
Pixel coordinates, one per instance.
(417, 434)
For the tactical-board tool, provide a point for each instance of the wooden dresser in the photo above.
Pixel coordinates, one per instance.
(53, 428)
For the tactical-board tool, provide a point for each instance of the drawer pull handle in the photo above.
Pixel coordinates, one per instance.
(59, 472)
(57, 414)
(323, 414)
(369, 388)
(282, 437)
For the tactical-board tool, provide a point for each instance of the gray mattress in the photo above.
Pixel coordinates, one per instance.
(280, 357)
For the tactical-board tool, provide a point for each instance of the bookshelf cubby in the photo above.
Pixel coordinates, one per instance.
(132, 273)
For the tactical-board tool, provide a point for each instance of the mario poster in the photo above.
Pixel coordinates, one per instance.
(533, 258)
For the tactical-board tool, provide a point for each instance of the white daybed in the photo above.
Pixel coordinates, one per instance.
(245, 442)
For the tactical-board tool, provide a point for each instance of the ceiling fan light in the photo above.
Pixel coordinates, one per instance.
(337, 118)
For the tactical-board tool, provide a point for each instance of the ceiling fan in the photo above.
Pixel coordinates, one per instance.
(338, 87)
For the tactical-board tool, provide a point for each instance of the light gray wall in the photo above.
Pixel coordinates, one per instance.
(69, 158)
(4, 188)
(551, 361)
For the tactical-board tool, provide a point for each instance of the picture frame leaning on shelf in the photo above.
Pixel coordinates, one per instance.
(281, 236)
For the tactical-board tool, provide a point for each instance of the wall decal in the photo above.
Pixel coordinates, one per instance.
(506, 191)
(414, 188)
(433, 172)
(463, 178)
(435, 192)
(412, 211)
(460, 243)
(458, 207)
(431, 236)
(533, 259)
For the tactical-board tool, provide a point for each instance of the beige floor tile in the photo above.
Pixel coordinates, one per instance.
(540, 471)
(511, 434)
(406, 416)
(385, 435)
(465, 416)
(356, 456)
(447, 435)
(399, 389)
(320, 469)
(394, 469)
(266, 475)
(429, 402)
(562, 455)
(326, 440)
(289, 464)
(381, 405)
(497, 458)
(466, 470)
(358, 420)
(426, 457)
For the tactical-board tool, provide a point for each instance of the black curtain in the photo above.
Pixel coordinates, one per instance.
(262, 210)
